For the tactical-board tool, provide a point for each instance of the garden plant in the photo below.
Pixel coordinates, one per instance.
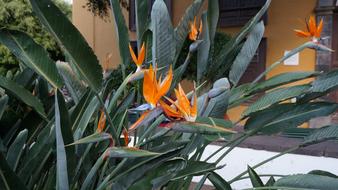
(64, 125)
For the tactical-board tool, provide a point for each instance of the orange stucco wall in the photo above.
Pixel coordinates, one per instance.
(283, 17)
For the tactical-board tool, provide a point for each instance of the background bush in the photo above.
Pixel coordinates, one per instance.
(18, 15)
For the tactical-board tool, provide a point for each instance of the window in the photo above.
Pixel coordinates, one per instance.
(132, 16)
(257, 65)
(239, 12)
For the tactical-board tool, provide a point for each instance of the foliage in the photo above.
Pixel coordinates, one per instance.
(18, 15)
(82, 139)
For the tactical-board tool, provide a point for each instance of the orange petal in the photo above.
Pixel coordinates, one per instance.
(102, 122)
(126, 137)
(170, 111)
(201, 27)
(302, 34)
(138, 122)
(180, 109)
(182, 99)
(133, 56)
(149, 87)
(319, 29)
(141, 55)
(193, 111)
(165, 84)
(312, 25)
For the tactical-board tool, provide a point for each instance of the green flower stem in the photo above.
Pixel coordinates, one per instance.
(115, 136)
(262, 175)
(288, 55)
(264, 162)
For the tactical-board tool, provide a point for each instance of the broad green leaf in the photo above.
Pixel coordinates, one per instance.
(308, 181)
(325, 82)
(281, 117)
(254, 178)
(215, 121)
(16, 149)
(200, 128)
(281, 79)
(139, 168)
(196, 168)
(322, 134)
(183, 27)
(61, 158)
(275, 96)
(217, 106)
(200, 184)
(67, 134)
(213, 15)
(141, 15)
(218, 182)
(118, 93)
(8, 177)
(121, 31)
(77, 111)
(247, 52)
(323, 173)
(3, 104)
(70, 40)
(96, 137)
(238, 39)
(85, 117)
(90, 179)
(31, 54)
(203, 49)
(74, 85)
(126, 152)
(270, 182)
(23, 94)
(163, 49)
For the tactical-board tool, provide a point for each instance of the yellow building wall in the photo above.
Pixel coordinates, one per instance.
(283, 17)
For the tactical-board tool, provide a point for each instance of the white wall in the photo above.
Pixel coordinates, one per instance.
(237, 161)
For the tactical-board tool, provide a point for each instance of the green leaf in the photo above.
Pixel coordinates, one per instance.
(8, 177)
(247, 52)
(141, 15)
(326, 82)
(118, 93)
(200, 128)
(270, 182)
(183, 27)
(61, 158)
(213, 15)
(23, 94)
(163, 49)
(284, 116)
(218, 182)
(71, 41)
(196, 168)
(322, 134)
(236, 41)
(308, 181)
(323, 173)
(3, 104)
(16, 149)
(96, 137)
(91, 175)
(75, 86)
(276, 96)
(31, 54)
(281, 79)
(254, 178)
(126, 152)
(203, 49)
(200, 184)
(67, 134)
(121, 31)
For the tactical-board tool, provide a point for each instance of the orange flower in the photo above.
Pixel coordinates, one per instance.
(102, 122)
(126, 137)
(313, 31)
(182, 108)
(153, 90)
(193, 35)
(138, 60)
